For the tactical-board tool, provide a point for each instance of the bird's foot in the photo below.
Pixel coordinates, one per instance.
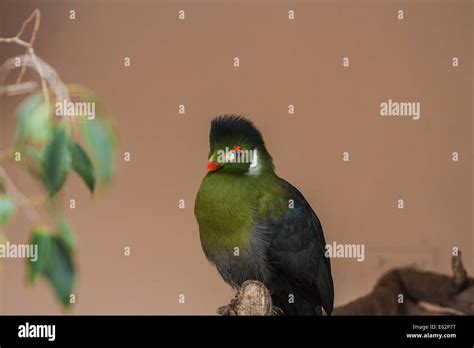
(225, 310)
(277, 311)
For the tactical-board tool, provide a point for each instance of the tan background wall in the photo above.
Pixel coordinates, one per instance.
(282, 62)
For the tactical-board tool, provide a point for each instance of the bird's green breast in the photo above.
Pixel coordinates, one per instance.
(227, 207)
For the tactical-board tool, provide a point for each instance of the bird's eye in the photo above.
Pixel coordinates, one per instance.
(237, 148)
(231, 156)
(234, 154)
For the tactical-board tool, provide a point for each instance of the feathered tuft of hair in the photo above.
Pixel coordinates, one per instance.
(227, 127)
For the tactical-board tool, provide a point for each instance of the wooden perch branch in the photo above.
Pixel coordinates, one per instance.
(423, 293)
(253, 298)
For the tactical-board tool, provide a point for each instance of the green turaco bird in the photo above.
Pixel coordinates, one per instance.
(255, 225)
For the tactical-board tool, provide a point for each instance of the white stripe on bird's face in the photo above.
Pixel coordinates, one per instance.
(254, 168)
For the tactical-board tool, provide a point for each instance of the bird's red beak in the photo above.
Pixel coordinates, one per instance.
(213, 166)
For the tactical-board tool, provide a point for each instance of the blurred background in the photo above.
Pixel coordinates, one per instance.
(190, 62)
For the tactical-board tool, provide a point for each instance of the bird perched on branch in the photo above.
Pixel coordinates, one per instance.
(255, 225)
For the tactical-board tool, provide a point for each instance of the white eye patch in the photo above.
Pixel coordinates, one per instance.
(254, 168)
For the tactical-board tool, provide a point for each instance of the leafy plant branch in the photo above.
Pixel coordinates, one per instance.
(49, 147)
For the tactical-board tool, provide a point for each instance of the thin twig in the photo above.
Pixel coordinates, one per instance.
(50, 75)
(30, 51)
(19, 88)
(37, 15)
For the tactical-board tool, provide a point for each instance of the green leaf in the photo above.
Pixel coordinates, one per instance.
(33, 161)
(35, 121)
(56, 161)
(100, 140)
(66, 235)
(61, 272)
(82, 164)
(44, 240)
(7, 209)
(54, 263)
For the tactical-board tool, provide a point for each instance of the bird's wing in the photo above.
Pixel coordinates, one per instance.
(298, 248)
